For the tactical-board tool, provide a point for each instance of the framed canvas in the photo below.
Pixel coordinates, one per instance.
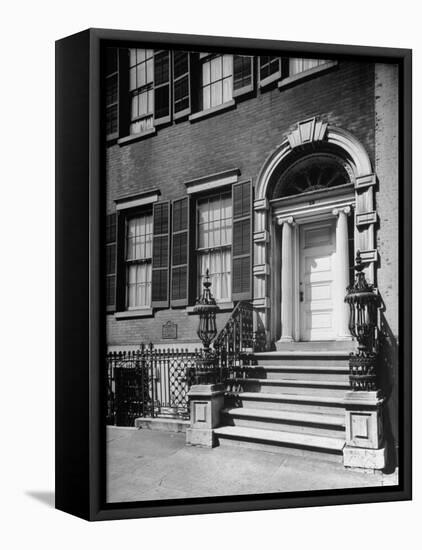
(233, 274)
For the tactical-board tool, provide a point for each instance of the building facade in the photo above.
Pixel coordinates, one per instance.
(271, 172)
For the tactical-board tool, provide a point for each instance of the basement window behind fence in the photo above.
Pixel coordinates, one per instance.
(214, 240)
(138, 262)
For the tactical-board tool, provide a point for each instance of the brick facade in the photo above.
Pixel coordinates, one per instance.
(239, 138)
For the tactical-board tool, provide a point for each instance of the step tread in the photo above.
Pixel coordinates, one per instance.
(294, 382)
(317, 368)
(291, 397)
(301, 353)
(271, 436)
(305, 417)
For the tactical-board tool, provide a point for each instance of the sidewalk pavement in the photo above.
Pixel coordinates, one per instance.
(153, 465)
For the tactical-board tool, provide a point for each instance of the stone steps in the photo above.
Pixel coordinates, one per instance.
(291, 401)
(291, 421)
(280, 441)
(333, 388)
(288, 401)
(301, 372)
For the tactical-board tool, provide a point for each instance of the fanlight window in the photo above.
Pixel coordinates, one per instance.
(312, 174)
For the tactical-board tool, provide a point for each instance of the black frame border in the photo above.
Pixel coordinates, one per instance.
(80, 430)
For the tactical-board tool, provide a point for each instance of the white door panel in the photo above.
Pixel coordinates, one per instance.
(316, 269)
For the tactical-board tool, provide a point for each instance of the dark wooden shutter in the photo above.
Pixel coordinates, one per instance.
(162, 97)
(242, 75)
(120, 262)
(181, 84)
(160, 254)
(110, 260)
(242, 241)
(180, 252)
(124, 94)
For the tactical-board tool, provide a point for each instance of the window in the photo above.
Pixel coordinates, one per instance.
(138, 262)
(214, 239)
(217, 81)
(298, 65)
(112, 92)
(141, 78)
(269, 69)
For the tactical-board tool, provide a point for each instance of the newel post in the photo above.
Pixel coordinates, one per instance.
(206, 396)
(365, 446)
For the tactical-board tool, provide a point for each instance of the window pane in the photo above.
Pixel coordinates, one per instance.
(216, 93)
(206, 104)
(134, 107)
(132, 79)
(140, 55)
(227, 89)
(219, 264)
(143, 103)
(150, 70)
(206, 73)
(141, 77)
(132, 57)
(227, 65)
(216, 68)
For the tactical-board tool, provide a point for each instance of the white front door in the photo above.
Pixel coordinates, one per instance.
(316, 280)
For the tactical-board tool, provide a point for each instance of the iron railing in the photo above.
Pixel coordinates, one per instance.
(242, 334)
(149, 382)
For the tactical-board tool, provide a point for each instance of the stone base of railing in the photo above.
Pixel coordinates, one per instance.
(206, 402)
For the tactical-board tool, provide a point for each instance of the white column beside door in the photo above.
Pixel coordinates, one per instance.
(287, 279)
(342, 272)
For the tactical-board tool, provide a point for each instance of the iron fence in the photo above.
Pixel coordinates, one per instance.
(149, 382)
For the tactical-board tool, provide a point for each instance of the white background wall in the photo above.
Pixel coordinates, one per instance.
(27, 39)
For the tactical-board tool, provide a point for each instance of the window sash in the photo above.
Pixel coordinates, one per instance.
(299, 65)
(213, 244)
(218, 262)
(217, 81)
(269, 69)
(138, 259)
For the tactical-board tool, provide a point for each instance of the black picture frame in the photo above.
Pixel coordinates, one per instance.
(80, 438)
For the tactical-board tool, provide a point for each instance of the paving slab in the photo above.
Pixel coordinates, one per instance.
(153, 465)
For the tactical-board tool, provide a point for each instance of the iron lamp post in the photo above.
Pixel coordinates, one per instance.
(363, 303)
(207, 365)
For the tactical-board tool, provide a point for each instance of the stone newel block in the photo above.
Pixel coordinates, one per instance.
(206, 403)
(364, 434)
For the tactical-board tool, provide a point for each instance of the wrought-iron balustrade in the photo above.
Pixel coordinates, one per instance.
(149, 382)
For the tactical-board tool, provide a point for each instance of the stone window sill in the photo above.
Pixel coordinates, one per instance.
(288, 81)
(210, 112)
(133, 313)
(136, 137)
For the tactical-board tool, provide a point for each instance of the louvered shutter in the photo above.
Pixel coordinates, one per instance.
(181, 84)
(242, 75)
(242, 241)
(180, 252)
(162, 96)
(160, 254)
(110, 261)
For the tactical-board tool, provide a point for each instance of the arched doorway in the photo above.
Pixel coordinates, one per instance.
(310, 197)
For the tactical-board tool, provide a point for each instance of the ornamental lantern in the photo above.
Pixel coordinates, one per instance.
(363, 303)
(207, 309)
(207, 365)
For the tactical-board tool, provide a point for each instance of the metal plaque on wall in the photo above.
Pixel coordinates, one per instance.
(169, 331)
